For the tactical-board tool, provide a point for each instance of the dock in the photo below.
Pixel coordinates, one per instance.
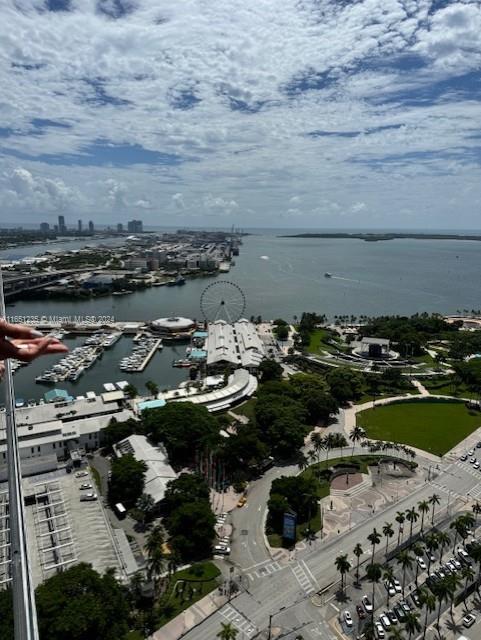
(148, 357)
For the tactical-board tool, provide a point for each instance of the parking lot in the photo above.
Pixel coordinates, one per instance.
(69, 524)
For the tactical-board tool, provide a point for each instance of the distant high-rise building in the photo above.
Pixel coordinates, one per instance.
(91, 226)
(135, 226)
(120, 227)
(79, 226)
(44, 227)
(61, 224)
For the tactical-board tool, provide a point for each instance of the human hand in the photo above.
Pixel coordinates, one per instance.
(26, 343)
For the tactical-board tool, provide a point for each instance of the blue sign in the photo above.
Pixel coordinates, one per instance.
(289, 526)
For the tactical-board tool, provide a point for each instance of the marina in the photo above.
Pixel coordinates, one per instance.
(141, 355)
(72, 366)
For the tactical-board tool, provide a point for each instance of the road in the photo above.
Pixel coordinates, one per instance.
(271, 586)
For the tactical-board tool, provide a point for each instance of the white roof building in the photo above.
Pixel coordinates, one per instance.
(237, 344)
(159, 472)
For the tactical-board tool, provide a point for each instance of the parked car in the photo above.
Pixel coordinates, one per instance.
(81, 474)
(456, 563)
(367, 604)
(415, 598)
(384, 620)
(88, 497)
(360, 612)
(463, 556)
(464, 457)
(421, 563)
(85, 485)
(379, 631)
(400, 613)
(392, 616)
(406, 606)
(478, 444)
(347, 618)
(471, 452)
(390, 588)
(469, 620)
(397, 585)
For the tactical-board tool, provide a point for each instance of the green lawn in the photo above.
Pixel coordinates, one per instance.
(318, 342)
(246, 409)
(185, 588)
(432, 426)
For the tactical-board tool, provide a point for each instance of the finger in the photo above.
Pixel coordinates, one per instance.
(19, 341)
(18, 330)
(28, 351)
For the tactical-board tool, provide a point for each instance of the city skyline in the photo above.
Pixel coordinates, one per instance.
(312, 114)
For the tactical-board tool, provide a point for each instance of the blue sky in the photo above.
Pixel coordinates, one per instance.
(300, 113)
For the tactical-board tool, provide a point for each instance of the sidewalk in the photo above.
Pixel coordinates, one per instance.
(190, 617)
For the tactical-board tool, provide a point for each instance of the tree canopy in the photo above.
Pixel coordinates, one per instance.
(127, 481)
(184, 428)
(77, 604)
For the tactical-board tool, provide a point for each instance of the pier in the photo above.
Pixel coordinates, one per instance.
(149, 356)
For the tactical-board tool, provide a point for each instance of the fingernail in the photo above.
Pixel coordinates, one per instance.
(35, 334)
(22, 346)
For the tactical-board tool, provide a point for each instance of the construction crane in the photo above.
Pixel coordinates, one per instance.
(24, 609)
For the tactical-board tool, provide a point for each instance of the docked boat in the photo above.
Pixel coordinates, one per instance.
(182, 364)
(328, 275)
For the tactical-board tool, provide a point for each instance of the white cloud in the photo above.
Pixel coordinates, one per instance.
(357, 207)
(230, 96)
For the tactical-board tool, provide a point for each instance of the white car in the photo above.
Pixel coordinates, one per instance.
(476, 465)
(397, 585)
(456, 563)
(421, 563)
(384, 620)
(380, 631)
(367, 604)
(347, 619)
(469, 620)
(81, 474)
(221, 550)
(85, 485)
(88, 497)
(390, 588)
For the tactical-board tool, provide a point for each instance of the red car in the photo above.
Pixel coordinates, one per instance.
(360, 611)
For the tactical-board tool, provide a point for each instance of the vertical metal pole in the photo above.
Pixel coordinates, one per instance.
(24, 610)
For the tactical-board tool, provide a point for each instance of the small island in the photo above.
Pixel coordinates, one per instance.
(376, 237)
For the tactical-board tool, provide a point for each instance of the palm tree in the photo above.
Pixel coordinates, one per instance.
(442, 593)
(412, 623)
(388, 532)
(302, 461)
(343, 566)
(145, 504)
(475, 553)
(433, 501)
(400, 518)
(411, 516)
(227, 632)
(443, 540)
(453, 582)
(428, 600)
(152, 387)
(395, 634)
(468, 574)
(374, 573)
(356, 435)
(388, 575)
(459, 528)
(406, 562)
(476, 510)
(423, 507)
(432, 543)
(358, 553)
(155, 540)
(155, 566)
(318, 444)
(418, 552)
(374, 538)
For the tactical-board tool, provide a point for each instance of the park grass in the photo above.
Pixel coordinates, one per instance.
(246, 409)
(443, 387)
(201, 578)
(432, 426)
(96, 476)
(318, 342)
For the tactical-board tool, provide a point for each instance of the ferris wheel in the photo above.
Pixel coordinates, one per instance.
(222, 300)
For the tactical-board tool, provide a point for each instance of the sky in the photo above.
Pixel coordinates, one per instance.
(254, 113)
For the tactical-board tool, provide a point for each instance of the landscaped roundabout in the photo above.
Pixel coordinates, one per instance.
(432, 425)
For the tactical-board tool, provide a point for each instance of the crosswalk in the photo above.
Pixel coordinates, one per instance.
(238, 620)
(265, 570)
(302, 577)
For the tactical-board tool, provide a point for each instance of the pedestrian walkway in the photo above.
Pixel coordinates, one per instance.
(300, 572)
(265, 570)
(239, 621)
(421, 388)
